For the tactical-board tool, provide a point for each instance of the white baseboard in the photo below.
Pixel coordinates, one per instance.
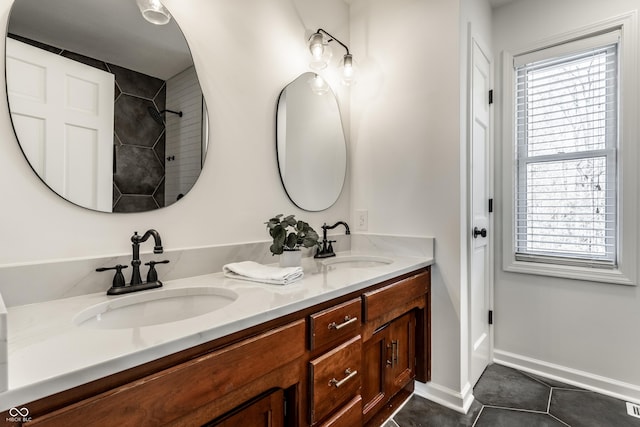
(458, 401)
(586, 380)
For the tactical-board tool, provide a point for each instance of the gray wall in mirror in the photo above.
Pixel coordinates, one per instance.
(154, 160)
(310, 145)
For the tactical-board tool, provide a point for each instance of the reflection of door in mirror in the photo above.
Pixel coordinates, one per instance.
(63, 111)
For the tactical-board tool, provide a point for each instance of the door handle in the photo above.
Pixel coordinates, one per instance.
(477, 232)
(393, 360)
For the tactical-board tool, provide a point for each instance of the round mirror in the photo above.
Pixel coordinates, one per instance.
(106, 106)
(310, 143)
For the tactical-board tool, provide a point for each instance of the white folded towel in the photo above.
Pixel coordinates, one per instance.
(249, 270)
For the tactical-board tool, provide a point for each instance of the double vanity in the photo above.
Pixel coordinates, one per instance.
(342, 346)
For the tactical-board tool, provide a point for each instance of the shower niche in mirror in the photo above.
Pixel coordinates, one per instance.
(310, 143)
(106, 106)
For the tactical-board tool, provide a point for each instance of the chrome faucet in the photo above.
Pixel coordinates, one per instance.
(119, 286)
(326, 250)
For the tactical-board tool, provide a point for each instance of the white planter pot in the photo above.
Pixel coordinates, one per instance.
(291, 258)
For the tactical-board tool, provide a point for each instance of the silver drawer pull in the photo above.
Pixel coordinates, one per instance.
(347, 321)
(349, 374)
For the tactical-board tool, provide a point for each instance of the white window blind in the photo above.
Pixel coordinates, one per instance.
(567, 137)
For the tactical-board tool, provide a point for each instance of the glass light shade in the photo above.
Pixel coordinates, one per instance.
(349, 70)
(320, 52)
(319, 86)
(316, 45)
(154, 12)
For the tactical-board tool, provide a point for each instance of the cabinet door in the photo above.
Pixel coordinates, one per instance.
(402, 350)
(266, 411)
(375, 357)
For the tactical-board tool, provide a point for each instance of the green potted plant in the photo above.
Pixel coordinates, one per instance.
(289, 235)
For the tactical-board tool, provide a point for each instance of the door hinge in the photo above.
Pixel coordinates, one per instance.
(490, 205)
(491, 317)
(491, 97)
(285, 407)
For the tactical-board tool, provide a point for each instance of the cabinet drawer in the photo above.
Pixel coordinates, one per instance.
(334, 378)
(265, 410)
(378, 302)
(348, 416)
(334, 324)
(179, 391)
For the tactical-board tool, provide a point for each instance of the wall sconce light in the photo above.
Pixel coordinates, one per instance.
(154, 11)
(321, 54)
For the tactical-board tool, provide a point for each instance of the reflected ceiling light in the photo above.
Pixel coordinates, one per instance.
(154, 12)
(321, 53)
(319, 86)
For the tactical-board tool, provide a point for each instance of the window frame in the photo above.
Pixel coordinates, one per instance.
(570, 52)
(625, 270)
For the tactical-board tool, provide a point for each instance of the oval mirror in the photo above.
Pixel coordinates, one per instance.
(106, 106)
(310, 143)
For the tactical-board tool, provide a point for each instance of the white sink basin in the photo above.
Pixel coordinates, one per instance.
(356, 261)
(146, 308)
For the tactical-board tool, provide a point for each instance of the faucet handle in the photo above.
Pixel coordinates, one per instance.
(152, 274)
(152, 263)
(118, 278)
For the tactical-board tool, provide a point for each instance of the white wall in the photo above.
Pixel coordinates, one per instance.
(582, 331)
(409, 143)
(406, 146)
(245, 52)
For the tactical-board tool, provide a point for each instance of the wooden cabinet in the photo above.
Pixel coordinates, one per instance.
(374, 362)
(264, 411)
(334, 378)
(401, 353)
(335, 324)
(389, 354)
(197, 391)
(335, 370)
(389, 361)
(341, 363)
(349, 415)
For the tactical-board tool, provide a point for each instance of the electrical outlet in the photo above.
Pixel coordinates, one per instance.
(362, 220)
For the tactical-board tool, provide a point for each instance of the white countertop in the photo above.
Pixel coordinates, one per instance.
(49, 353)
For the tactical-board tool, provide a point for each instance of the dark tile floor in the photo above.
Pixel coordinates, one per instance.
(505, 397)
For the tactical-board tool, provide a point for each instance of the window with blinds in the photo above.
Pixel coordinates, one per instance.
(567, 136)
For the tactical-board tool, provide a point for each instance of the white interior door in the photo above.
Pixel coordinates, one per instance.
(62, 112)
(480, 253)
